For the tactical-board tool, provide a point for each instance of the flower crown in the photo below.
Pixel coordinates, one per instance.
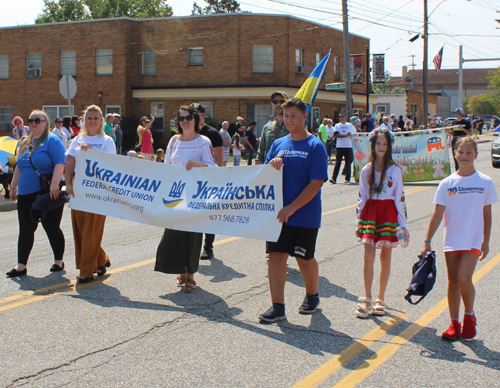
(383, 129)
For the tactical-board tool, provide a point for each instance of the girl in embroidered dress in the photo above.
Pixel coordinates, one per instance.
(465, 199)
(381, 212)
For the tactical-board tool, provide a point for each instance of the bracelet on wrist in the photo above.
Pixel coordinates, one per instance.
(427, 241)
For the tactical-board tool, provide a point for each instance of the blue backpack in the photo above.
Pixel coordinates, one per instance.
(424, 277)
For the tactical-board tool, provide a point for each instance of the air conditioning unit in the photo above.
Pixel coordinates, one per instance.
(30, 73)
(300, 69)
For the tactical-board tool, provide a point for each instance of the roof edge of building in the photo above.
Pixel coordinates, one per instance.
(184, 17)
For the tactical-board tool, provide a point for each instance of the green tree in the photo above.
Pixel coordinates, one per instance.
(484, 104)
(74, 10)
(383, 88)
(217, 6)
(494, 78)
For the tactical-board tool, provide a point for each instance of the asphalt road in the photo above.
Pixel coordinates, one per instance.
(134, 328)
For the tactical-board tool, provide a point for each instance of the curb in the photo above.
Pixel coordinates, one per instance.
(7, 206)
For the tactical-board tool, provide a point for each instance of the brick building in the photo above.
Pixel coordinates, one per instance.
(229, 62)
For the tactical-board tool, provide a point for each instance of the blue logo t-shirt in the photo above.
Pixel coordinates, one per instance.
(303, 161)
(44, 158)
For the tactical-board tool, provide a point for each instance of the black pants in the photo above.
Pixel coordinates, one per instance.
(209, 241)
(27, 228)
(250, 156)
(340, 153)
(5, 179)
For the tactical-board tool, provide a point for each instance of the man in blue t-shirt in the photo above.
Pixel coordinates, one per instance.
(305, 168)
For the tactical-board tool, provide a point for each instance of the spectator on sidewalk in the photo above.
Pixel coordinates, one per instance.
(226, 138)
(19, 129)
(251, 141)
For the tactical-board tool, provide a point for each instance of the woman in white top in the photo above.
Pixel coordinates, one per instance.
(57, 130)
(88, 228)
(179, 251)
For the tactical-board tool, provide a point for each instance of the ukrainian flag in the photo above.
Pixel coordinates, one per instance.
(309, 89)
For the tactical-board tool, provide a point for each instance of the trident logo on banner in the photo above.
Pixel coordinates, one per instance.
(175, 192)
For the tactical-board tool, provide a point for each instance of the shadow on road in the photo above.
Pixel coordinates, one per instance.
(219, 271)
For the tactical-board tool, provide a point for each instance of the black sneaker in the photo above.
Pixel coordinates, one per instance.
(332, 181)
(274, 314)
(309, 305)
(208, 254)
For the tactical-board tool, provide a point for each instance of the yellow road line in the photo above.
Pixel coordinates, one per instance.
(146, 262)
(42, 297)
(378, 358)
(327, 369)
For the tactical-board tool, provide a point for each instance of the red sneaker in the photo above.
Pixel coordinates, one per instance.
(453, 331)
(469, 329)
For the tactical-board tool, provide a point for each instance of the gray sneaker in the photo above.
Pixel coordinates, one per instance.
(274, 314)
(309, 305)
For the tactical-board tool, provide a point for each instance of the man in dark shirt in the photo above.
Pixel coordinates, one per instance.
(365, 126)
(217, 145)
(462, 128)
(251, 141)
(480, 125)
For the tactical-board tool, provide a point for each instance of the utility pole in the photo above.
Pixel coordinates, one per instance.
(424, 67)
(460, 78)
(347, 60)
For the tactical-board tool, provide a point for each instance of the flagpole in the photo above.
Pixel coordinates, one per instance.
(347, 60)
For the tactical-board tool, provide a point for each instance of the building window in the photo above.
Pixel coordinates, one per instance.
(319, 57)
(5, 117)
(113, 109)
(381, 109)
(209, 108)
(263, 59)
(68, 63)
(104, 61)
(299, 53)
(158, 111)
(55, 111)
(314, 118)
(336, 76)
(4, 66)
(196, 56)
(149, 62)
(34, 65)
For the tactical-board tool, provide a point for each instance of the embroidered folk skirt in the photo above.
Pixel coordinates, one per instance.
(377, 224)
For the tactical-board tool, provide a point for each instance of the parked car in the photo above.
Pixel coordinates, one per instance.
(449, 120)
(495, 153)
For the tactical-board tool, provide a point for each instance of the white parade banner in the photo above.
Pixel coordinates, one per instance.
(231, 201)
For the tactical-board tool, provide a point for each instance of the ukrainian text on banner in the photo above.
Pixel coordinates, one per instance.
(232, 201)
(423, 156)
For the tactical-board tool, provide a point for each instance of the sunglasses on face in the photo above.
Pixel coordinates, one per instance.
(276, 102)
(182, 118)
(36, 121)
(58, 122)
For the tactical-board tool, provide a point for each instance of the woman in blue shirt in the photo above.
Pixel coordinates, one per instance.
(47, 157)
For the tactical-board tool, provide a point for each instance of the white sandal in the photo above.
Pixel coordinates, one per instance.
(379, 307)
(363, 311)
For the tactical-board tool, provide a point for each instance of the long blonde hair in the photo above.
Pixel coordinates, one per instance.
(93, 108)
(29, 141)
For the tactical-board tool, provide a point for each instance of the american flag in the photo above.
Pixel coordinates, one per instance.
(438, 59)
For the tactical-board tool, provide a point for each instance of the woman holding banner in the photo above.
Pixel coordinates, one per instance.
(179, 251)
(88, 228)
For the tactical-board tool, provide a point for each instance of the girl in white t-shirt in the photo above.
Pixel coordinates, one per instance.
(465, 199)
(381, 212)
